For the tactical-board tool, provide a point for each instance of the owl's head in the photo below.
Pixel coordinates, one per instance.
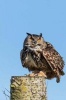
(33, 40)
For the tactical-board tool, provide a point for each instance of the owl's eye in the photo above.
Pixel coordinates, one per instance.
(39, 41)
(39, 44)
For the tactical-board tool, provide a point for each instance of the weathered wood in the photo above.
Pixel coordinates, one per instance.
(27, 88)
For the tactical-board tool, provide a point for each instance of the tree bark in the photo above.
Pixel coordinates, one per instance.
(28, 88)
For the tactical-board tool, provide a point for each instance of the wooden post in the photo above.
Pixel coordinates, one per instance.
(28, 88)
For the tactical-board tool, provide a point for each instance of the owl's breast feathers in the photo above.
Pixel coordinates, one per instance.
(33, 60)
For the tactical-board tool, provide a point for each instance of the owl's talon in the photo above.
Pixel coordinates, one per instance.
(41, 73)
(36, 73)
(32, 74)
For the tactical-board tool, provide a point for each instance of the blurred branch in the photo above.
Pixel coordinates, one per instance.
(6, 94)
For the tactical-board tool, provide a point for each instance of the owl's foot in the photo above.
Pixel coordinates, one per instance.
(41, 73)
(32, 74)
(36, 73)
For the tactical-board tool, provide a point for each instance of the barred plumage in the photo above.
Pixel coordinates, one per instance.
(39, 55)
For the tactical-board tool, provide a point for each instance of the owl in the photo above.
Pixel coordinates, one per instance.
(40, 57)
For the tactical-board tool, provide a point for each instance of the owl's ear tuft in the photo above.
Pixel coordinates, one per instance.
(40, 34)
(28, 34)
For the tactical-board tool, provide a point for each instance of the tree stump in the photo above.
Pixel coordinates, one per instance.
(28, 88)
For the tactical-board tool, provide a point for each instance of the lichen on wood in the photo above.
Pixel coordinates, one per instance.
(28, 88)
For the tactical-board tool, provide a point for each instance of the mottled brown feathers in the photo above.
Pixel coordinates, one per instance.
(37, 54)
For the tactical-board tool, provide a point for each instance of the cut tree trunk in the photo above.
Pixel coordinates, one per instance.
(28, 88)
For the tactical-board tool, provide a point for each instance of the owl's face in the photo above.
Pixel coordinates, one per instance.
(33, 40)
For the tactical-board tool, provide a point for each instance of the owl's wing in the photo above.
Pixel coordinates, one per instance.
(53, 57)
(22, 55)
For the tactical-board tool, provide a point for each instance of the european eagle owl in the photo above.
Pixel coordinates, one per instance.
(40, 56)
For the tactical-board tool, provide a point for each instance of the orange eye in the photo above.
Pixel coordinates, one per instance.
(39, 41)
